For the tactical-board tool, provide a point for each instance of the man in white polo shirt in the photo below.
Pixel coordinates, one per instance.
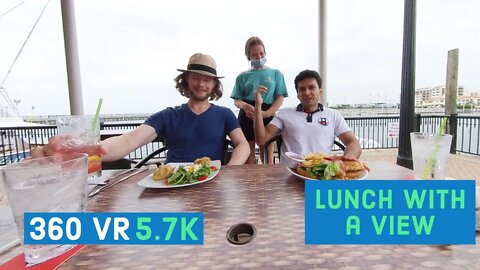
(310, 127)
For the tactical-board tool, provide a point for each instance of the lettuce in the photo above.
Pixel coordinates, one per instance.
(181, 176)
(331, 170)
(324, 171)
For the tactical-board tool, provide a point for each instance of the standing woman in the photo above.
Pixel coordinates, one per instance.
(244, 93)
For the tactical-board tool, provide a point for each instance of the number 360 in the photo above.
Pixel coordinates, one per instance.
(55, 231)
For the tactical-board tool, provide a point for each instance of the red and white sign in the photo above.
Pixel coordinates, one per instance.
(393, 129)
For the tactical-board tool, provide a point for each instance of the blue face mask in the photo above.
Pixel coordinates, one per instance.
(258, 63)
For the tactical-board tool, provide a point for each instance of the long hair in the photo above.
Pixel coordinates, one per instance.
(182, 86)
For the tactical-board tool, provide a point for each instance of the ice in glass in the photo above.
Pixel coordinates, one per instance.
(82, 135)
(430, 154)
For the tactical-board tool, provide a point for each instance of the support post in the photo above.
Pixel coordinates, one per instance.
(322, 4)
(451, 94)
(407, 96)
(451, 84)
(71, 57)
(453, 130)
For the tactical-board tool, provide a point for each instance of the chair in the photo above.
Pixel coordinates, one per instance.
(123, 163)
(279, 140)
(227, 151)
(126, 163)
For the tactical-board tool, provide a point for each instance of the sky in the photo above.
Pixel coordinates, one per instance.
(130, 49)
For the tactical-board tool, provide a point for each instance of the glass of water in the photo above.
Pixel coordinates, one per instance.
(50, 184)
(430, 154)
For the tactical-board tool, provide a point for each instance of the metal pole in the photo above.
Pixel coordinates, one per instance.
(407, 96)
(453, 130)
(322, 33)
(71, 57)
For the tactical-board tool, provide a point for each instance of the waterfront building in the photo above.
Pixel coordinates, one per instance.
(472, 99)
(434, 96)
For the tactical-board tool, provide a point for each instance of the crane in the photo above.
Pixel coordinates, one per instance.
(11, 104)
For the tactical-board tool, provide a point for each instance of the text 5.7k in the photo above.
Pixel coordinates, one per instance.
(114, 228)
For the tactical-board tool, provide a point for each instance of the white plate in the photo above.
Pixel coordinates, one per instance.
(292, 171)
(148, 181)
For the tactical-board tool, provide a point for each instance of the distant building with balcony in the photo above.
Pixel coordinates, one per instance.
(472, 98)
(434, 96)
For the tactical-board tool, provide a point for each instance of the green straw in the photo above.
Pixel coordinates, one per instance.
(434, 155)
(97, 114)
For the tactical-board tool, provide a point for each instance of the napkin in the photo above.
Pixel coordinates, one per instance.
(18, 262)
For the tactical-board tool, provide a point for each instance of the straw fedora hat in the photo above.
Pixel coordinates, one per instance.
(203, 64)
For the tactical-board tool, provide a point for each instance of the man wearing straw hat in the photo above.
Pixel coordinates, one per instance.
(192, 130)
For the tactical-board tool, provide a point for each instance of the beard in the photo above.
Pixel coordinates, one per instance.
(199, 97)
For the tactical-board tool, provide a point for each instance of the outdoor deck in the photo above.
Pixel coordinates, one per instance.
(460, 166)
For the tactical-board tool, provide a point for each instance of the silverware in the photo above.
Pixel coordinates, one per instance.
(115, 176)
(99, 188)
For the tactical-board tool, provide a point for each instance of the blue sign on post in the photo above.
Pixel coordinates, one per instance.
(114, 228)
(390, 212)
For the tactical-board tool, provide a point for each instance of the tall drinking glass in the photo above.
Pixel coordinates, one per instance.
(50, 184)
(82, 135)
(430, 154)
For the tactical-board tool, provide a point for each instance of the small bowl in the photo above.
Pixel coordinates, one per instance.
(293, 159)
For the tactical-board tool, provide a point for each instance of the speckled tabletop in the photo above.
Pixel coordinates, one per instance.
(271, 199)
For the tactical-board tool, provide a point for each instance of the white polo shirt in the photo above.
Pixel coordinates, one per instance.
(302, 137)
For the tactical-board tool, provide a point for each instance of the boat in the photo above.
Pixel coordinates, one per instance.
(13, 149)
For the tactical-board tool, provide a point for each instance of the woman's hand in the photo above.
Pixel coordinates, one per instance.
(265, 114)
(249, 110)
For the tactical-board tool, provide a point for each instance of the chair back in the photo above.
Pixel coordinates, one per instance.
(279, 140)
(227, 151)
(127, 163)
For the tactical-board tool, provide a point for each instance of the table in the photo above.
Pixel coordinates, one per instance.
(271, 199)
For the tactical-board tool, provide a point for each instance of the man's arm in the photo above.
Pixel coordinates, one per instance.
(120, 146)
(111, 149)
(262, 134)
(352, 147)
(277, 103)
(241, 149)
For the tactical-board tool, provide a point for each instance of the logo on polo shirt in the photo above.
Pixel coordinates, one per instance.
(323, 121)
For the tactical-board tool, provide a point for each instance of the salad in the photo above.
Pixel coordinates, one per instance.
(190, 174)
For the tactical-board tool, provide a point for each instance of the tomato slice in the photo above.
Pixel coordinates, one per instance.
(213, 168)
(202, 177)
(94, 167)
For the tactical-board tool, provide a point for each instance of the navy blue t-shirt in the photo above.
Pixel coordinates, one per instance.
(189, 136)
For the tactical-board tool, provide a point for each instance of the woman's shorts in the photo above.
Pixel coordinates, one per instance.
(247, 124)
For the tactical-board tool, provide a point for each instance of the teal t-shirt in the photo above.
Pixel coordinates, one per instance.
(248, 81)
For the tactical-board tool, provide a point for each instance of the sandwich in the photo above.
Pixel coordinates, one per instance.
(319, 166)
(203, 160)
(163, 172)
